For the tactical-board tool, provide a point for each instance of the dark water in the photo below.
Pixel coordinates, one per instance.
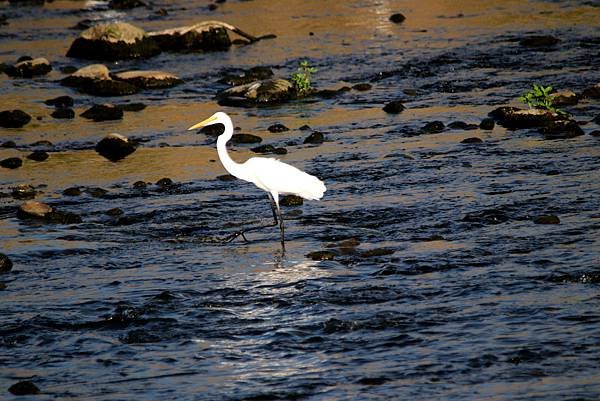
(469, 300)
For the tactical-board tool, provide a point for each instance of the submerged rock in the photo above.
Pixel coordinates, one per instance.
(103, 112)
(23, 191)
(561, 129)
(433, 127)
(361, 87)
(72, 191)
(115, 147)
(29, 68)
(291, 200)
(539, 41)
(259, 93)
(462, 126)
(245, 138)
(321, 255)
(546, 219)
(592, 92)
(11, 163)
(472, 140)
(5, 263)
(25, 387)
(377, 252)
(314, 138)
(131, 106)
(63, 113)
(205, 36)
(149, 79)
(14, 118)
(125, 4)
(113, 41)
(252, 75)
(487, 124)
(394, 107)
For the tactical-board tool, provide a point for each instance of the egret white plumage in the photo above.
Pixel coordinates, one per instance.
(271, 175)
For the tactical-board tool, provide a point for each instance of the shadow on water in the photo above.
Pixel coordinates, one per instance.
(432, 268)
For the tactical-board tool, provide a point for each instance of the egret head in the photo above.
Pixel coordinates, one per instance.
(218, 118)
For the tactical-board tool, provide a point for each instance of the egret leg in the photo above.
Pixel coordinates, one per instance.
(241, 233)
(280, 227)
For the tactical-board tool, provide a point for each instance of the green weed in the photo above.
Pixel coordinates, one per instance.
(301, 79)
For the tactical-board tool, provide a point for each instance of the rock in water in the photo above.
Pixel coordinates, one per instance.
(5, 263)
(291, 200)
(60, 101)
(278, 127)
(95, 80)
(205, 36)
(592, 92)
(13, 118)
(245, 138)
(63, 113)
(149, 79)
(561, 129)
(29, 68)
(513, 117)
(259, 93)
(24, 388)
(547, 219)
(252, 75)
(38, 155)
(487, 124)
(103, 112)
(33, 209)
(115, 147)
(11, 163)
(113, 41)
(314, 138)
(564, 98)
(394, 107)
(539, 41)
(397, 18)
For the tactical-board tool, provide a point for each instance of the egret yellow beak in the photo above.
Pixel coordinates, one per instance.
(203, 123)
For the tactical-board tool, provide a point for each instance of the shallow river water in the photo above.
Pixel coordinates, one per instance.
(444, 288)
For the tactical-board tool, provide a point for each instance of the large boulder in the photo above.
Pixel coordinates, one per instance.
(205, 36)
(148, 79)
(29, 68)
(113, 41)
(260, 93)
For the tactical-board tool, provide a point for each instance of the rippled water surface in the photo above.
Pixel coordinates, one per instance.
(441, 287)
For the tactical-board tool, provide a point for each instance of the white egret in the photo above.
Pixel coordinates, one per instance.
(271, 175)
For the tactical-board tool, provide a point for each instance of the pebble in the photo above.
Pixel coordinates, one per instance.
(38, 155)
(25, 387)
(321, 255)
(397, 18)
(278, 128)
(14, 118)
(472, 140)
(5, 263)
(291, 200)
(546, 219)
(33, 209)
(11, 163)
(314, 138)
(394, 107)
(115, 147)
(103, 112)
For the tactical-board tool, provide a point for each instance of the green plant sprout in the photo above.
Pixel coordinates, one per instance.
(301, 79)
(540, 97)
